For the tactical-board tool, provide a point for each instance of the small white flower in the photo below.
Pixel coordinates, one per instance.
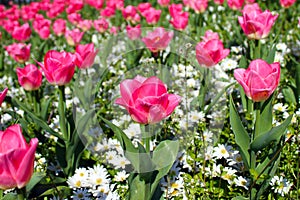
(133, 130)
(280, 107)
(221, 151)
(121, 176)
(242, 182)
(280, 185)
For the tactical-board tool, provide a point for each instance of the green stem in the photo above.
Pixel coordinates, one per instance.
(21, 193)
(61, 111)
(1, 194)
(145, 137)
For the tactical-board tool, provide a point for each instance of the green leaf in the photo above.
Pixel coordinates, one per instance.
(271, 55)
(274, 134)
(165, 153)
(164, 156)
(36, 119)
(10, 196)
(51, 191)
(239, 198)
(241, 136)
(35, 179)
(289, 95)
(243, 62)
(44, 107)
(265, 119)
(145, 163)
(137, 187)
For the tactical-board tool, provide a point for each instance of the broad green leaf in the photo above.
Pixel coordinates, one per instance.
(241, 136)
(270, 171)
(145, 163)
(164, 156)
(51, 191)
(137, 188)
(165, 153)
(35, 179)
(243, 62)
(274, 134)
(289, 95)
(240, 198)
(44, 107)
(10, 196)
(271, 55)
(265, 119)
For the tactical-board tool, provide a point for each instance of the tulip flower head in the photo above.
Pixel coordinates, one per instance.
(259, 80)
(287, 3)
(133, 32)
(30, 77)
(22, 33)
(16, 158)
(19, 52)
(158, 39)
(210, 51)
(146, 99)
(85, 55)
(74, 36)
(255, 23)
(58, 67)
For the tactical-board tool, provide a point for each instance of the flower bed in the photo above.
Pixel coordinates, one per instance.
(150, 100)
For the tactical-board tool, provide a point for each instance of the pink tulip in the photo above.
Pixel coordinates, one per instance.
(210, 35)
(74, 18)
(56, 8)
(22, 33)
(108, 12)
(30, 77)
(181, 21)
(95, 3)
(152, 15)
(101, 25)
(260, 79)
(158, 39)
(251, 7)
(16, 158)
(85, 25)
(58, 67)
(163, 3)
(115, 4)
(85, 55)
(28, 12)
(59, 27)
(287, 3)
(3, 95)
(219, 2)
(257, 24)
(129, 12)
(74, 36)
(9, 25)
(199, 6)
(19, 52)
(147, 99)
(42, 27)
(175, 9)
(144, 6)
(74, 6)
(133, 32)
(235, 4)
(210, 52)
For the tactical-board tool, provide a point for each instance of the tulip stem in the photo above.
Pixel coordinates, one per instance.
(21, 193)
(61, 111)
